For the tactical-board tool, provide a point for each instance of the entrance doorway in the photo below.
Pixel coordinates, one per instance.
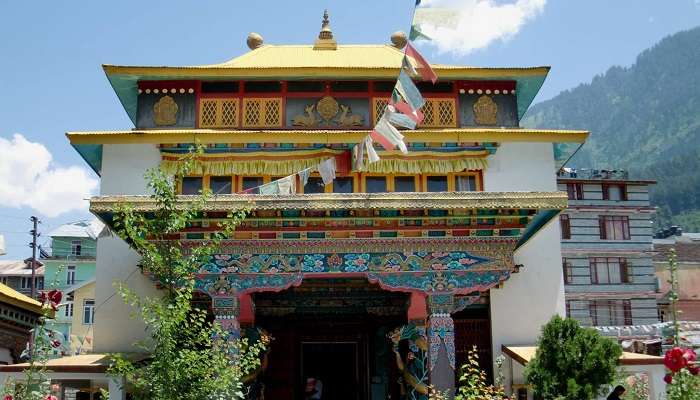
(335, 330)
(335, 365)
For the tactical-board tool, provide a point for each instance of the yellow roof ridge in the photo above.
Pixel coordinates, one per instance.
(17, 299)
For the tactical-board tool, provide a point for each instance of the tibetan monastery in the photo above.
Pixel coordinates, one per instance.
(378, 283)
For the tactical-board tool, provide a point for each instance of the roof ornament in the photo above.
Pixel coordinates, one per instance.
(254, 40)
(399, 39)
(325, 39)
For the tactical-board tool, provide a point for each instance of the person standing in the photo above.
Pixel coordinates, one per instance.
(616, 393)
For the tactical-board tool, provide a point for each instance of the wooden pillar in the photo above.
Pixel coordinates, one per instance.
(441, 340)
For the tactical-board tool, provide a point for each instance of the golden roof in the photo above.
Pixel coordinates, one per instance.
(524, 354)
(459, 135)
(17, 299)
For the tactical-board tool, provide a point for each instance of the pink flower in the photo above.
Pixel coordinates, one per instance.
(690, 356)
(675, 359)
(668, 378)
(51, 397)
(694, 370)
(8, 397)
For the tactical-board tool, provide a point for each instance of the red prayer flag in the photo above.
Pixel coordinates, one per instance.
(404, 108)
(382, 140)
(426, 72)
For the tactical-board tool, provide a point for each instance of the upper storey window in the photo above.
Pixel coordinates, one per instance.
(574, 191)
(436, 183)
(615, 192)
(191, 185)
(614, 227)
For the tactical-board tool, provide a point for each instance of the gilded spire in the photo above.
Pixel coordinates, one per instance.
(325, 39)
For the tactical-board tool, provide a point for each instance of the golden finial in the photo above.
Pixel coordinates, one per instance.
(325, 39)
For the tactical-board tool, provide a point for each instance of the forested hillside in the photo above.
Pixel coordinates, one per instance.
(646, 119)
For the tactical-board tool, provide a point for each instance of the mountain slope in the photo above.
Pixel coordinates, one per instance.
(646, 119)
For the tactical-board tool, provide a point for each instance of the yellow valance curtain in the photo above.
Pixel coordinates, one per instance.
(287, 163)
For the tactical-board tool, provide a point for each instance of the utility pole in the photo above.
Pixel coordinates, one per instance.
(34, 232)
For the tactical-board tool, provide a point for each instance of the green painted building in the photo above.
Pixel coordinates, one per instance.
(70, 267)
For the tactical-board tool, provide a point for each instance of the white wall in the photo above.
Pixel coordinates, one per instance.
(531, 297)
(123, 167)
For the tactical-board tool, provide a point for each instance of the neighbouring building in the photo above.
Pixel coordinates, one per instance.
(18, 315)
(606, 235)
(17, 274)
(70, 268)
(454, 244)
(687, 247)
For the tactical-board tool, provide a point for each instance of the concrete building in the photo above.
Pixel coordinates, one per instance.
(606, 248)
(17, 274)
(687, 247)
(70, 268)
(18, 315)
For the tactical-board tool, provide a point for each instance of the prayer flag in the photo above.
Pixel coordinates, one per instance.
(327, 170)
(405, 109)
(287, 185)
(388, 136)
(424, 68)
(304, 176)
(358, 153)
(371, 152)
(269, 188)
(399, 119)
(408, 66)
(409, 91)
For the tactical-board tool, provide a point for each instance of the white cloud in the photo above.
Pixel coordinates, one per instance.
(474, 24)
(29, 178)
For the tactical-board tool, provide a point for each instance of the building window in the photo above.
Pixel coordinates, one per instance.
(70, 275)
(191, 185)
(565, 226)
(26, 283)
(220, 184)
(607, 270)
(68, 310)
(610, 312)
(404, 184)
(40, 283)
(436, 183)
(88, 312)
(250, 182)
(617, 192)
(574, 191)
(375, 184)
(614, 227)
(343, 185)
(568, 271)
(314, 185)
(466, 183)
(76, 247)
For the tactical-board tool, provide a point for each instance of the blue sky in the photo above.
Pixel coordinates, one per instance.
(51, 80)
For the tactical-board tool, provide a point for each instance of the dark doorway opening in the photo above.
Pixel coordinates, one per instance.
(335, 365)
(336, 329)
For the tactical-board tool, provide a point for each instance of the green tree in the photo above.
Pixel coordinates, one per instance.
(572, 362)
(189, 357)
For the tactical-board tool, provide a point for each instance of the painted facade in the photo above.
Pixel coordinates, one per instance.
(412, 252)
(70, 268)
(607, 250)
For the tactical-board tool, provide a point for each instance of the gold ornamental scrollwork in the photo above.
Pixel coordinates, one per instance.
(327, 108)
(165, 111)
(485, 111)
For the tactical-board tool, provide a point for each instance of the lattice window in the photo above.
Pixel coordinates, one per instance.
(378, 107)
(218, 113)
(262, 113)
(439, 113)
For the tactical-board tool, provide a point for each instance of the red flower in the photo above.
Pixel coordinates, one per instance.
(8, 397)
(689, 355)
(52, 297)
(694, 370)
(668, 378)
(55, 343)
(675, 359)
(51, 397)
